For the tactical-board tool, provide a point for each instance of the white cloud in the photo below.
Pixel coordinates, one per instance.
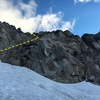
(25, 16)
(28, 9)
(68, 25)
(81, 1)
(76, 1)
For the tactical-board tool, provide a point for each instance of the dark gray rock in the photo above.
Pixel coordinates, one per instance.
(60, 56)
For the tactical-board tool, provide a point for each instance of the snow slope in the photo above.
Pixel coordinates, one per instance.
(19, 83)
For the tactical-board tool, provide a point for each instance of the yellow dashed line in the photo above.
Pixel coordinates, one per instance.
(1, 50)
(5, 49)
(32, 40)
(12, 46)
(35, 39)
(9, 48)
(21, 44)
(33, 34)
(16, 45)
(24, 42)
(28, 41)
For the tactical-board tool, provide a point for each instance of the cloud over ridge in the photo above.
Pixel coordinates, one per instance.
(25, 16)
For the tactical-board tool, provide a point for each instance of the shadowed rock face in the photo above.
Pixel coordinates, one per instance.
(58, 55)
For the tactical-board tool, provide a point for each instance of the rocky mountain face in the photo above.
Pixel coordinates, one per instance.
(58, 55)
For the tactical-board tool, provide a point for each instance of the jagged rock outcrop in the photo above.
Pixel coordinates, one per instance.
(10, 36)
(58, 55)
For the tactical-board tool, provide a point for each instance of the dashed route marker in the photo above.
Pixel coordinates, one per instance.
(20, 44)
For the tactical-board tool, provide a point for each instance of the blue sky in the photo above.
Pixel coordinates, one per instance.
(78, 16)
(87, 15)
